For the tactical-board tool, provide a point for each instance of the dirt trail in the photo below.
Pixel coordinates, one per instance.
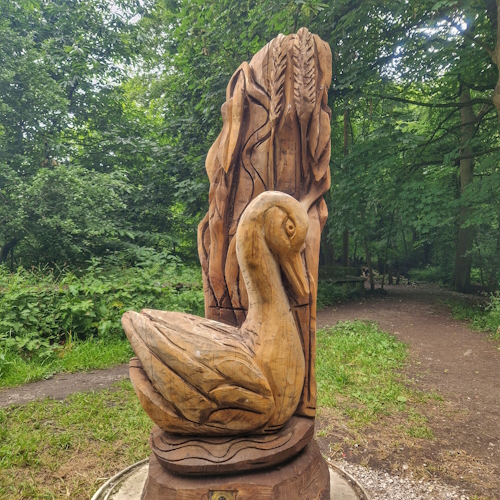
(452, 358)
(62, 385)
(447, 357)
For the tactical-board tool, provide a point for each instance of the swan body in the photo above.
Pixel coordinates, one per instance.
(198, 376)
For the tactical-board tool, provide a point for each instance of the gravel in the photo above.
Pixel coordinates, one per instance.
(383, 486)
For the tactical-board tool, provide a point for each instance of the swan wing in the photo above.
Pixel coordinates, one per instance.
(199, 366)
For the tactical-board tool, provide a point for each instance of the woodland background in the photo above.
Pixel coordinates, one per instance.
(108, 108)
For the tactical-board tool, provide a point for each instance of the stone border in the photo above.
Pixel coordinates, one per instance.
(110, 484)
(361, 492)
(108, 488)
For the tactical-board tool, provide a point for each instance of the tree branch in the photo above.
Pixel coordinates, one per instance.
(437, 162)
(457, 105)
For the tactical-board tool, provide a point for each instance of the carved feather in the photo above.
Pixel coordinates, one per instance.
(304, 86)
(199, 366)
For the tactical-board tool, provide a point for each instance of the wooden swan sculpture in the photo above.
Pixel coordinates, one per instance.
(198, 376)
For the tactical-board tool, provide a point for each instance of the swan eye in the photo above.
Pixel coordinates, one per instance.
(290, 228)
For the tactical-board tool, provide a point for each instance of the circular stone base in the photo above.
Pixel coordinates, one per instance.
(129, 485)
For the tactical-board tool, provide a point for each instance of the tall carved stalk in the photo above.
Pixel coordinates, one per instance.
(276, 136)
(277, 94)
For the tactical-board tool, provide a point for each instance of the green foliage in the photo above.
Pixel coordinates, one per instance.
(430, 274)
(481, 318)
(398, 71)
(45, 311)
(103, 138)
(332, 293)
(356, 371)
(69, 214)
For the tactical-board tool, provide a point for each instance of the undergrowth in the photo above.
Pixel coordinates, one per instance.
(332, 293)
(430, 274)
(53, 320)
(481, 318)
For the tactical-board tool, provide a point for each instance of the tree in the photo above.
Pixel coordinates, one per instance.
(59, 65)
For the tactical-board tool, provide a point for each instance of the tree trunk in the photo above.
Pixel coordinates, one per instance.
(345, 248)
(328, 248)
(369, 264)
(463, 257)
(4, 252)
(406, 249)
(495, 56)
(386, 251)
(493, 281)
(345, 236)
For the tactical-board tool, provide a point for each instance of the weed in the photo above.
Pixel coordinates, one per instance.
(50, 322)
(332, 293)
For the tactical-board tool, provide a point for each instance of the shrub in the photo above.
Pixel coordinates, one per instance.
(332, 293)
(42, 308)
(482, 318)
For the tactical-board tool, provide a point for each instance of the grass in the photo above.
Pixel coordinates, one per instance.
(358, 369)
(91, 354)
(52, 450)
(56, 450)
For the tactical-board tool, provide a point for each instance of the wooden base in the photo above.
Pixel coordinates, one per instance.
(305, 477)
(229, 454)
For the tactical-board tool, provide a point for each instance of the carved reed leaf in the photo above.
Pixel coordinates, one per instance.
(304, 88)
(278, 78)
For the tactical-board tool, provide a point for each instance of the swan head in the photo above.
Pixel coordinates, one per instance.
(284, 222)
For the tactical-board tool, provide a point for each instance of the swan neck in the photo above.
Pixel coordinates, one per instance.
(261, 273)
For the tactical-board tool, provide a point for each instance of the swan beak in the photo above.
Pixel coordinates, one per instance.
(294, 270)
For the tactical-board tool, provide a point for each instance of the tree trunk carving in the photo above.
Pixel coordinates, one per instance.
(275, 136)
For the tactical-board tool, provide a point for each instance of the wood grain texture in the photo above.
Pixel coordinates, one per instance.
(198, 376)
(281, 141)
(306, 477)
(223, 455)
